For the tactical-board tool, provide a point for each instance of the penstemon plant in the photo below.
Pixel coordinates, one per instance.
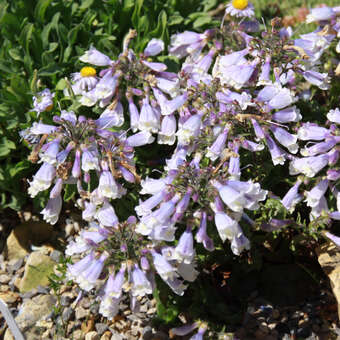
(233, 103)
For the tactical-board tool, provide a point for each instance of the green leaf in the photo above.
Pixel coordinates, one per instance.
(136, 13)
(16, 54)
(26, 36)
(40, 9)
(6, 146)
(161, 30)
(86, 4)
(201, 21)
(49, 70)
(70, 191)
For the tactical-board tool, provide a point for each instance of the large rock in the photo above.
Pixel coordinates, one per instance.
(329, 259)
(37, 269)
(31, 311)
(25, 235)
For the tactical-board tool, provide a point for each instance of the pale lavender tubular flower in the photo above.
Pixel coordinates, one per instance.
(264, 78)
(321, 80)
(43, 101)
(87, 278)
(141, 286)
(134, 114)
(214, 151)
(170, 106)
(89, 160)
(333, 238)
(234, 163)
(76, 170)
(165, 270)
(184, 43)
(56, 190)
(42, 180)
(146, 207)
(50, 153)
(148, 119)
(107, 216)
(182, 206)
(319, 209)
(231, 197)
(310, 131)
(333, 175)
(112, 116)
(275, 224)
(292, 197)
(144, 263)
(41, 129)
(89, 212)
(314, 196)
(278, 155)
(251, 146)
(183, 330)
(109, 305)
(239, 243)
(127, 175)
(167, 133)
(202, 236)
(320, 14)
(154, 47)
(309, 166)
(140, 138)
(334, 116)
(62, 155)
(318, 148)
(227, 227)
(184, 251)
(289, 114)
(276, 96)
(74, 270)
(285, 138)
(87, 240)
(107, 185)
(257, 129)
(52, 210)
(106, 86)
(94, 57)
(189, 129)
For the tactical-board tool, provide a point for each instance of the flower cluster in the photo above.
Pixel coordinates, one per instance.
(234, 99)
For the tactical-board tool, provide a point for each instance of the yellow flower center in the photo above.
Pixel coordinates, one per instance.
(88, 71)
(240, 4)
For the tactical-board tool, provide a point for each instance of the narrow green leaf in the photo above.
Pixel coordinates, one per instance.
(40, 9)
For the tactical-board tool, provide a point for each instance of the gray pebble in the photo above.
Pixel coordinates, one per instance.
(67, 314)
(16, 265)
(55, 255)
(65, 300)
(4, 278)
(101, 328)
(42, 290)
(30, 294)
(81, 313)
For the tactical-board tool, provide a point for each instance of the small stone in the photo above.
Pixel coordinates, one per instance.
(65, 301)
(15, 265)
(152, 310)
(106, 336)
(30, 294)
(272, 326)
(101, 328)
(34, 309)
(144, 308)
(42, 290)
(37, 269)
(8, 335)
(4, 278)
(116, 336)
(81, 313)
(19, 242)
(77, 334)
(276, 313)
(92, 336)
(67, 314)
(55, 255)
(9, 297)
